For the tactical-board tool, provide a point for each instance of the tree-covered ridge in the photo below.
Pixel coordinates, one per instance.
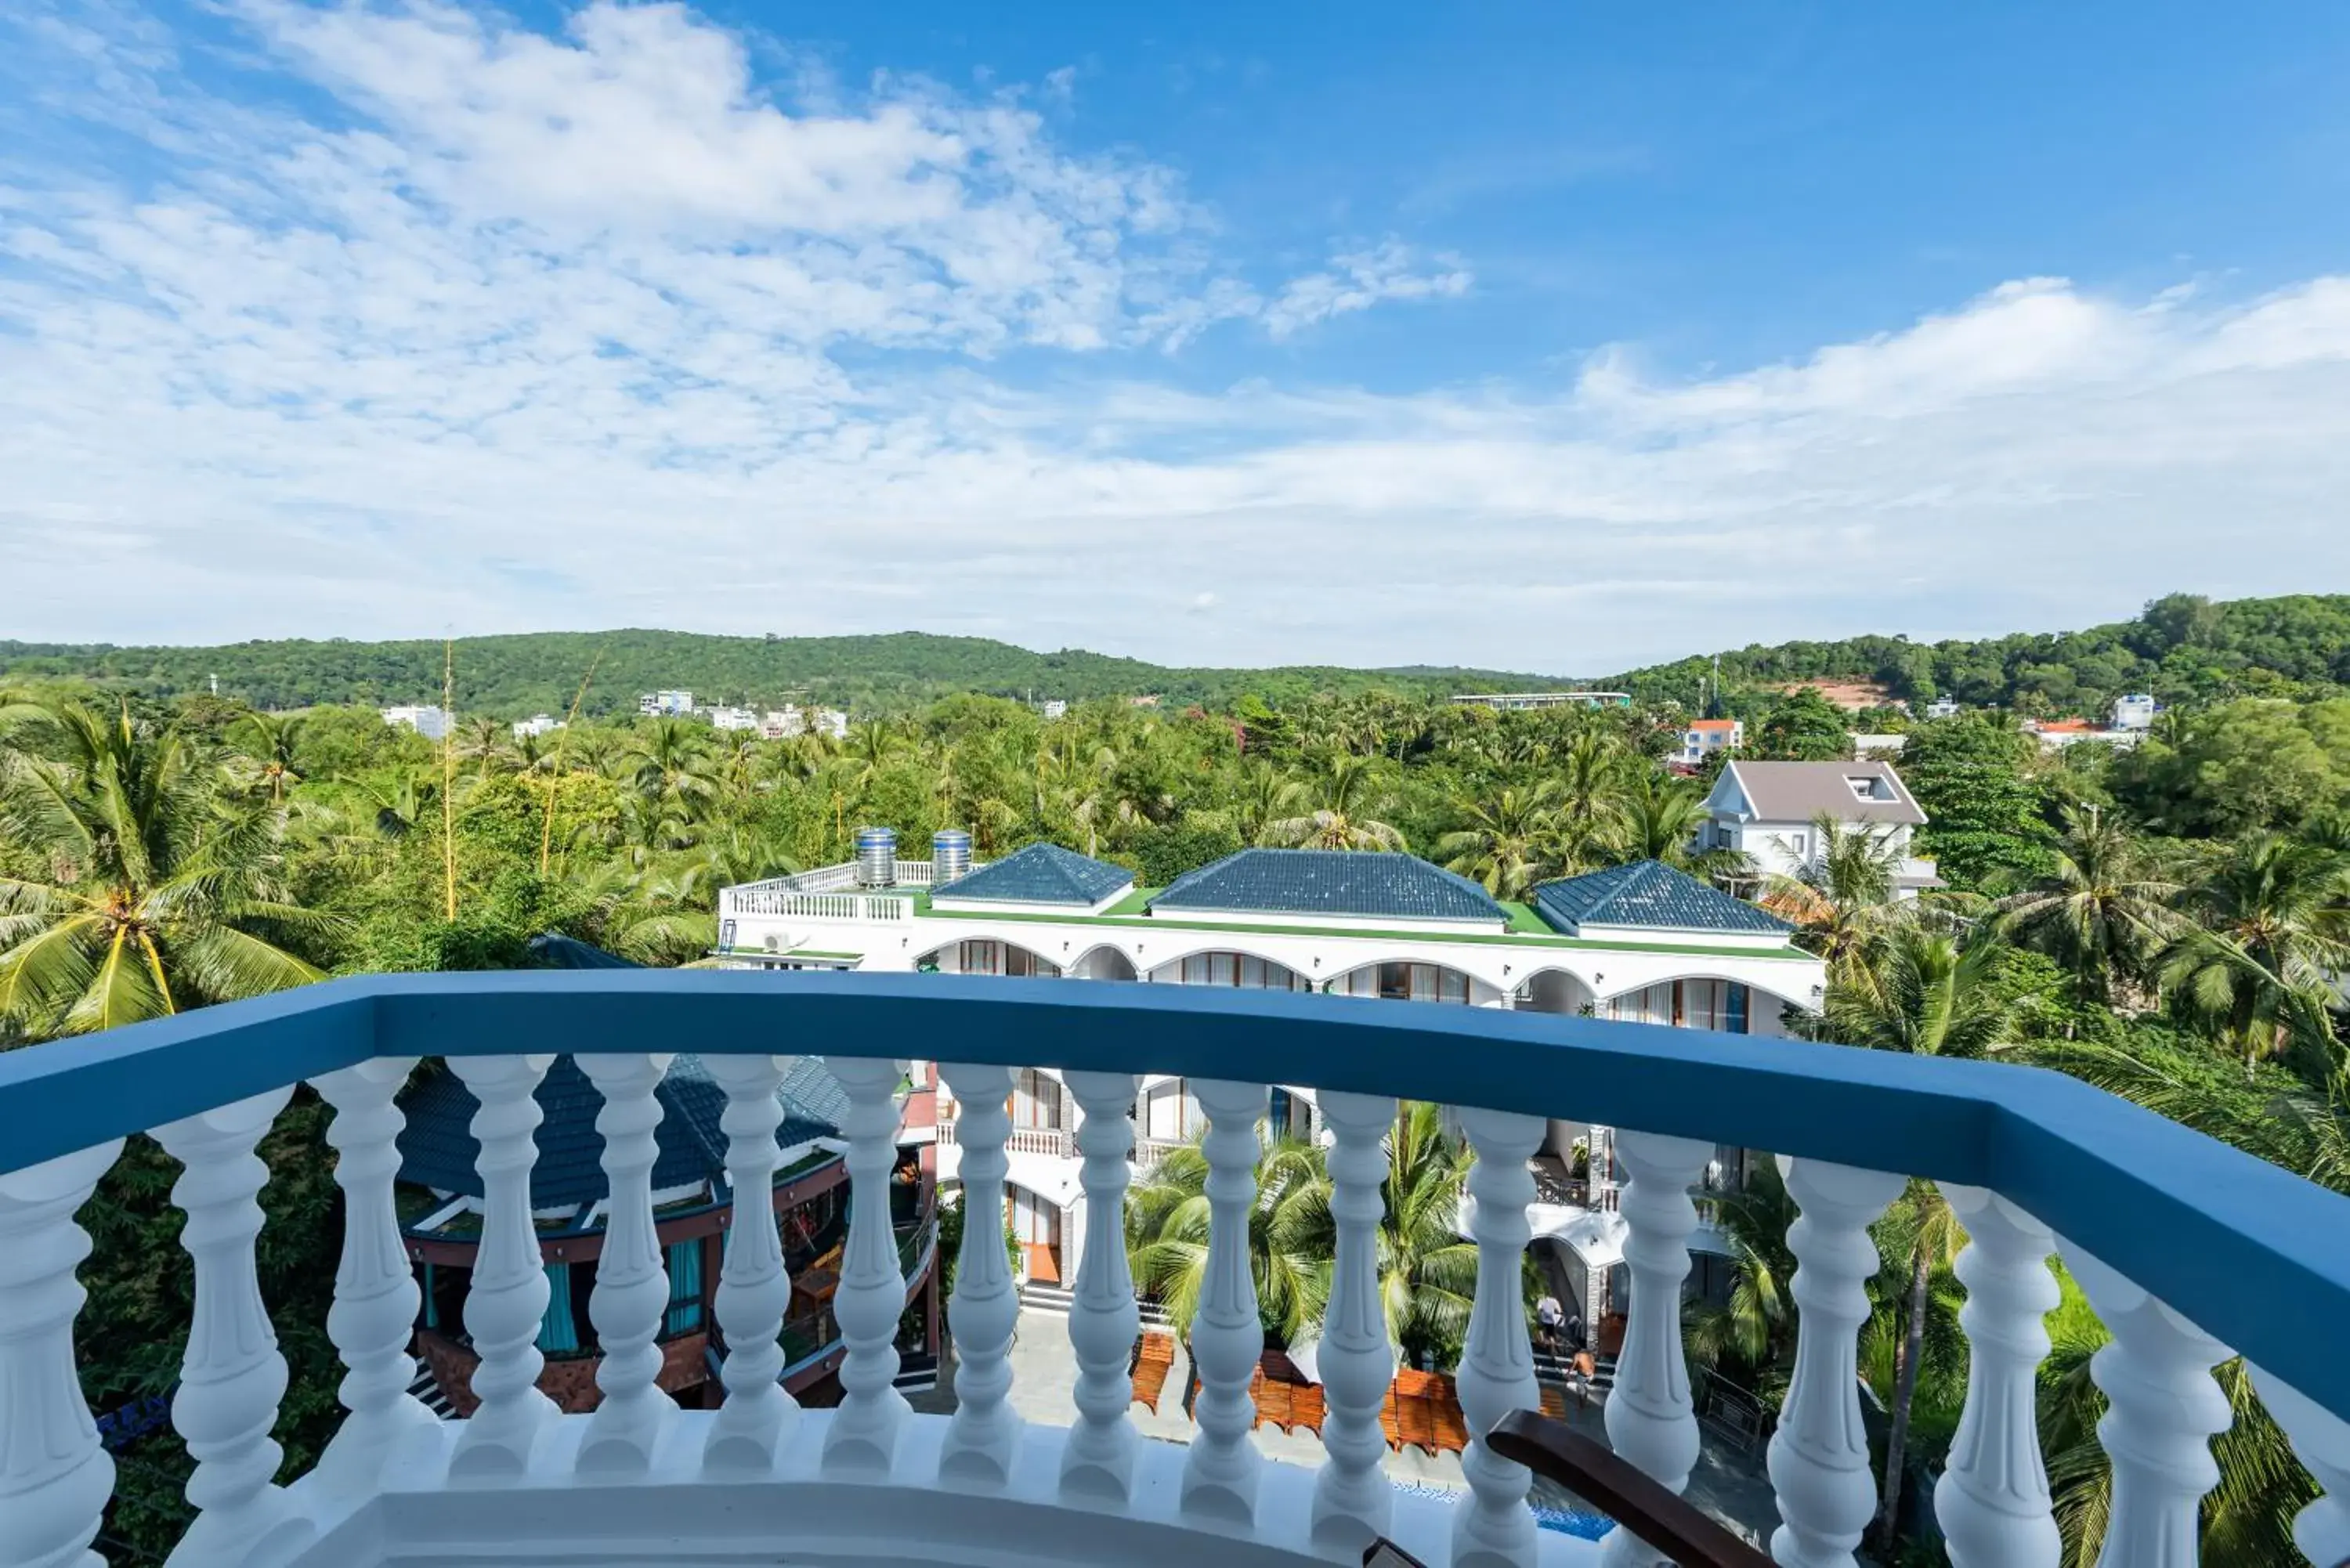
(515, 676)
(2182, 649)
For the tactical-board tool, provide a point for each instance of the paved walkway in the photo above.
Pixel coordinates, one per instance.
(1728, 1485)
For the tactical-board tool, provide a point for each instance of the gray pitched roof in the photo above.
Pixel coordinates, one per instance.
(1040, 874)
(437, 1149)
(1648, 893)
(1330, 882)
(1798, 791)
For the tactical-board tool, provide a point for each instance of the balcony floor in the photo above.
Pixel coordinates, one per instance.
(798, 1517)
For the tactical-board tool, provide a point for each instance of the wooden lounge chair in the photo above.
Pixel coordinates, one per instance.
(1391, 1418)
(1306, 1409)
(1150, 1383)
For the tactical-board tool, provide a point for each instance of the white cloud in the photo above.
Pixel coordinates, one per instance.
(446, 323)
(1358, 281)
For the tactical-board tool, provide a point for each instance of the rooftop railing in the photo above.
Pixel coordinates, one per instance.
(2190, 1251)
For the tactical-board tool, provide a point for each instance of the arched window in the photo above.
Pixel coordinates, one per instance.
(1242, 969)
(1404, 983)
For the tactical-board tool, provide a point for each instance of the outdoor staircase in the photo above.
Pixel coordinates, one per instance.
(1055, 1300)
(429, 1393)
(1549, 1368)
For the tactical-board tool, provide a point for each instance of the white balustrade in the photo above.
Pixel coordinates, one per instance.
(863, 1435)
(1819, 1456)
(2162, 1410)
(984, 1434)
(1992, 1501)
(631, 1293)
(1098, 1461)
(1651, 1419)
(1353, 1502)
(507, 1297)
(754, 1289)
(1491, 1527)
(231, 1375)
(375, 1294)
(54, 1477)
(1220, 1473)
(2322, 1442)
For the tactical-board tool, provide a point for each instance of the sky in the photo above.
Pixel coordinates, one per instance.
(1560, 336)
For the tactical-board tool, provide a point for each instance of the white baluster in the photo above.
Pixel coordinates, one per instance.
(1992, 1499)
(2163, 1409)
(1098, 1461)
(505, 1299)
(1220, 1473)
(54, 1477)
(984, 1433)
(1819, 1456)
(1353, 1503)
(871, 1297)
(1651, 1419)
(1493, 1526)
(754, 1290)
(2322, 1441)
(232, 1377)
(374, 1314)
(631, 1293)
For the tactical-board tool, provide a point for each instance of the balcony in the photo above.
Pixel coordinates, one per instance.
(2190, 1251)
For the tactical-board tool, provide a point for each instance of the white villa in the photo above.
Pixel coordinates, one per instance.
(1641, 942)
(1767, 810)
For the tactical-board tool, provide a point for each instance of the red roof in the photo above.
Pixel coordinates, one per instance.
(2064, 726)
(1723, 725)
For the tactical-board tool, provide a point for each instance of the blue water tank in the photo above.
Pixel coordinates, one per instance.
(950, 856)
(877, 857)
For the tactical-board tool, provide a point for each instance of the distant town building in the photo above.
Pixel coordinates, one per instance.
(665, 704)
(427, 719)
(831, 721)
(2135, 712)
(1054, 708)
(783, 723)
(1942, 708)
(1701, 738)
(1515, 700)
(1878, 745)
(2055, 735)
(733, 719)
(1150, 701)
(537, 725)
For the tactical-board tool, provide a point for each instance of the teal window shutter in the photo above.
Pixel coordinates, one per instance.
(432, 1311)
(1737, 1008)
(684, 1288)
(556, 1334)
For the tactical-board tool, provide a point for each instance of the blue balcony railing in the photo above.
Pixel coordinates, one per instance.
(2191, 1251)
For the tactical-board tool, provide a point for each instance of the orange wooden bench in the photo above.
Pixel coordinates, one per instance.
(1150, 1383)
(1306, 1409)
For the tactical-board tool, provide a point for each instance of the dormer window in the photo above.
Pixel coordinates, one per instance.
(1868, 786)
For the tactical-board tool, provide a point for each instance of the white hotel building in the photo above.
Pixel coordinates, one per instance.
(1641, 942)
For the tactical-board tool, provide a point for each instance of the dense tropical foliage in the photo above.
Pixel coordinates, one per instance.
(2167, 923)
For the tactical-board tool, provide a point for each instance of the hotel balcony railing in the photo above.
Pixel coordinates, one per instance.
(2191, 1252)
(1057, 1141)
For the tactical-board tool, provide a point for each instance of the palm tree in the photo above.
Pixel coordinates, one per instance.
(159, 896)
(271, 741)
(674, 776)
(1839, 893)
(1590, 777)
(486, 742)
(1264, 796)
(1928, 1237)
(2100, 911)
(1167, 1219)
(1925, 993)
(1661, 817)
(2273, 926)
(1349, 790)
(1510, 839)
(1756, 1327)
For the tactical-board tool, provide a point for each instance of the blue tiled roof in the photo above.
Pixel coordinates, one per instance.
(437, 1150)
(1330, 882)
(1040, 874)
(1651, 894)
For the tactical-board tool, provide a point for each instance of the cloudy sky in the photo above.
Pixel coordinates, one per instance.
(1555, 336)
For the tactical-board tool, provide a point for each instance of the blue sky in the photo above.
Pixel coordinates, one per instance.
(1558, 337)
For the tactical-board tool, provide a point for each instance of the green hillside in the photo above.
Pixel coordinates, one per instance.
(2182, 649)
(538, 672)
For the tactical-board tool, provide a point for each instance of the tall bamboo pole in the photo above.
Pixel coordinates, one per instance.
(448, 773)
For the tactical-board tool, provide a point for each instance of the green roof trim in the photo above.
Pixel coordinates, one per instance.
(1510, 939)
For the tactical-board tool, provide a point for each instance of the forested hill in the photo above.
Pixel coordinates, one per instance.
(539, 671)
(2182, 649)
